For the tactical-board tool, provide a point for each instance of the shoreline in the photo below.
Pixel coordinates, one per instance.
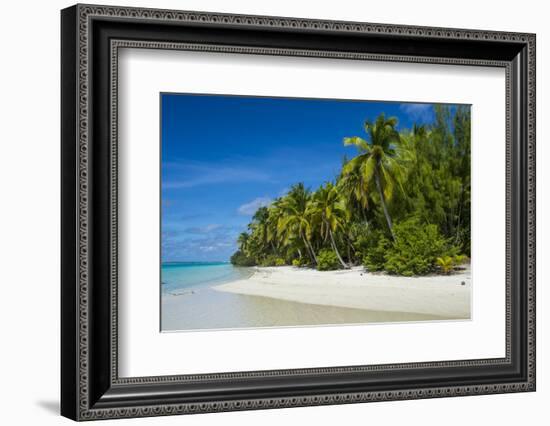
(445, 296)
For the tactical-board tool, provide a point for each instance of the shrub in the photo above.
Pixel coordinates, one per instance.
(300, 262)
(375, 256)
(240, 259)
(272, 260)
(327, 260)
(367, 238)
(416, 248)
(280, 262)
(361, 236)
(446, 263)
(460, 259)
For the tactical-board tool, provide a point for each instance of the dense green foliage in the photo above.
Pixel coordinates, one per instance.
(240, 259)
(399, 205)
(272, 260)
(416, 248)
(375, 257)
(327, 260)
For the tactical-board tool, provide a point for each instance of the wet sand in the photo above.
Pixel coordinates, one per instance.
(212, 309)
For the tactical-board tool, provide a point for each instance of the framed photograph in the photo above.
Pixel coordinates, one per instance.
(263, 212)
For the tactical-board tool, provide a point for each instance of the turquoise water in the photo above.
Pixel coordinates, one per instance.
(177, 276)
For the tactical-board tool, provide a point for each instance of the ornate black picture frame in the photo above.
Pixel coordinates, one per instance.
(91, 36)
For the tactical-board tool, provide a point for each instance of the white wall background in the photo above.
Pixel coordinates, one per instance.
(29, 214)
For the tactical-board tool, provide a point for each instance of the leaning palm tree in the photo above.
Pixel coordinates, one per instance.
(296, 221)
(330, 213)
(376, 163)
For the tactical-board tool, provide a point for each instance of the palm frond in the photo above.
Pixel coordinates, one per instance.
(360, 143)
(388, 182)
(367, 170)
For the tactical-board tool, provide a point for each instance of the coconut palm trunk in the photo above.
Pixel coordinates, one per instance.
(383, 202)
(309, 247)
(459, 218)
(333, 243)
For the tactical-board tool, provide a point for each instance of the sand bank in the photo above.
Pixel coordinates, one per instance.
(442, 295)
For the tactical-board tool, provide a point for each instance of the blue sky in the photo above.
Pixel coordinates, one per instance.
(225, 156)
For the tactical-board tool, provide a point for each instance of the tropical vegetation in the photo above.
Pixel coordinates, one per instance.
(401, 204)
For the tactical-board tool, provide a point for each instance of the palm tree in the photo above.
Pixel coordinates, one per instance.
(376, 163)
(275, 214)
(260, 219)
(330, 213)
(242, 241)
(356, 194)
(409, 145)
(296, 220)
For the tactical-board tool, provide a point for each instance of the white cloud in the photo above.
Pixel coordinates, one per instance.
(207, 248)
(193, 174)
(250, 208)
(216, 245)
(203, 229)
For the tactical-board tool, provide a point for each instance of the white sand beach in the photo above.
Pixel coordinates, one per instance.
(446, 296)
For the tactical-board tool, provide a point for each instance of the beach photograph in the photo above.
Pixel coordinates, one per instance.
(295, 212)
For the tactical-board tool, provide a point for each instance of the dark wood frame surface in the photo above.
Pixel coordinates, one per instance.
(90, 39)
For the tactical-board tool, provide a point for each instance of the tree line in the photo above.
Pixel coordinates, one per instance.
(401, 205)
